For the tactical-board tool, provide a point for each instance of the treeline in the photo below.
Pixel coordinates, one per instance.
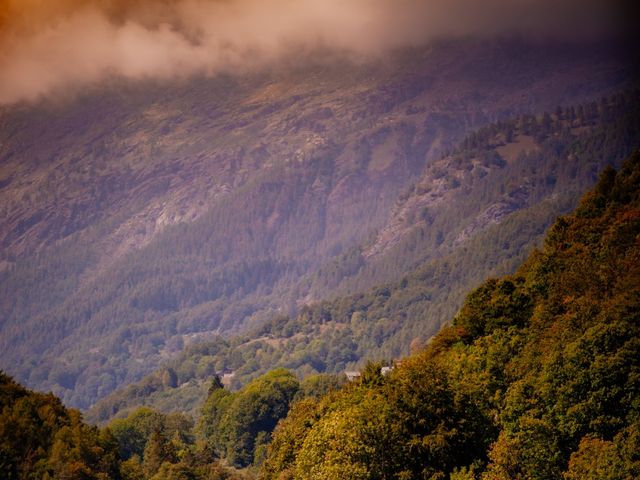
(239, 425)
(537, 377)
(515, 164)
(234, 426)
(479, 212)
(40, 438)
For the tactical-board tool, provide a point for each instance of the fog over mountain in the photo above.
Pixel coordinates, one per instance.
(172, 170)
(58, 46)
(319, 239)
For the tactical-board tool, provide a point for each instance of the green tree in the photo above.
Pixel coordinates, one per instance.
(157, 451)
(250, 414)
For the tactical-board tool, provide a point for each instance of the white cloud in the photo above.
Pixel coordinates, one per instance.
(46, 46)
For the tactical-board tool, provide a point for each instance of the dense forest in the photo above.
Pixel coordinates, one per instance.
(40, 438)
(319, 240)
(537, 377)
(522, 172)
(148, 216)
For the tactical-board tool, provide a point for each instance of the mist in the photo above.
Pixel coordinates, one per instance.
(48, 47)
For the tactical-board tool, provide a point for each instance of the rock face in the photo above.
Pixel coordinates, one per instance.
(135, 214)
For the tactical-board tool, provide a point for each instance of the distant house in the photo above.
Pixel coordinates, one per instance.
(351, 376)
(354, 375)
(227, 377)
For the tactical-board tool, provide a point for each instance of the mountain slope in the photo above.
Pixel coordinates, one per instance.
(136, 215)
(536, 378)
(386, 321)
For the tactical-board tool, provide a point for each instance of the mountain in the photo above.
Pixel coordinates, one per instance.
(139, 216)
(537, 377)
(474, 213)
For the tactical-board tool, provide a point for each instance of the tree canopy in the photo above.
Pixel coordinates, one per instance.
(538, 376)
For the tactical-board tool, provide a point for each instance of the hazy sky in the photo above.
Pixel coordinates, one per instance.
(47, 45)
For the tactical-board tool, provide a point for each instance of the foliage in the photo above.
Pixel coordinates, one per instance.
(39, 438)
(139, 219)
(548, 165)
(537, 378)
(239, 425)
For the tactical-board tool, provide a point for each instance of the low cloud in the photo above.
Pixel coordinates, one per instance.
(47, 46)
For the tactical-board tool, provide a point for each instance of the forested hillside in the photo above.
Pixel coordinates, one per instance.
(40, 438)
(148, 214)
(476, 212)
(538, 376)
(319, 240)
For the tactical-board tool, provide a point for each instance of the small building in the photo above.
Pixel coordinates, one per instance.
(351, 376)
(227, 377)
